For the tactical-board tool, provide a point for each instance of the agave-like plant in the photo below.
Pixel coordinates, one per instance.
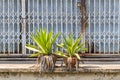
(71, 46)
(43, 48)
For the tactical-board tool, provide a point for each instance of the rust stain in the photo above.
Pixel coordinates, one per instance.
(82, 6)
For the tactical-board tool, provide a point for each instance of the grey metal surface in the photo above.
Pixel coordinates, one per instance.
(20, 18)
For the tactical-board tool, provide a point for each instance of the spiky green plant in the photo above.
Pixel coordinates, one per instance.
(71, 46)
(44, 41)
(43, 48)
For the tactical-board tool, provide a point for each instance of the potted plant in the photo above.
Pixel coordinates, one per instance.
(44, 42)
(71, 47)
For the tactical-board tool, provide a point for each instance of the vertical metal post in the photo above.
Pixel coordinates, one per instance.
(33, 16)
(66, 16)
(42, 14)
(3, 27)
(104, 24)
(29, 30)
(71, 17)
(47, 14)
(52, 14)
(99, 26)
(94, 26)
(89, 28)
(8, 30)
(38, 14)
(119, 29)
(52, 17)
(23, 28)
(114, 27)
(33, 11)
(61, 18)
(13, 41)
(109, 27)
(76, 19)
(61, 25)
(18, 27)
(56, 19)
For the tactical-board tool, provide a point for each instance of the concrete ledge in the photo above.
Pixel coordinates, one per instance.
(91, 68)
(85, 72)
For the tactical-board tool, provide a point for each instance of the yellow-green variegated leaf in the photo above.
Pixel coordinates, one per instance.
(54, 38)
(36, 40)
(35, 55)
(33, 48)
(60, 45)
(83, 49)
(77, 55)
(60, 54)
(44, 41)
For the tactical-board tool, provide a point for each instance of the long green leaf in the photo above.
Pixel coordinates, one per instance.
(71, 40)
(76, 44)
(55, 37)
(60, 54)
(68, 41)
(78, 57)
(44, 41)
(64, 40)
(79, 47)
(60, 45)
(72, 46)
(36, 40)
(34, 54)
(32, 47)
(83, 49)
(49, 36)
(49, 47)
(41, 40)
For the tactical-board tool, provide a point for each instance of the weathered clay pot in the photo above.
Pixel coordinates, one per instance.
(71, 61)
(54, 57)
(47, 62)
